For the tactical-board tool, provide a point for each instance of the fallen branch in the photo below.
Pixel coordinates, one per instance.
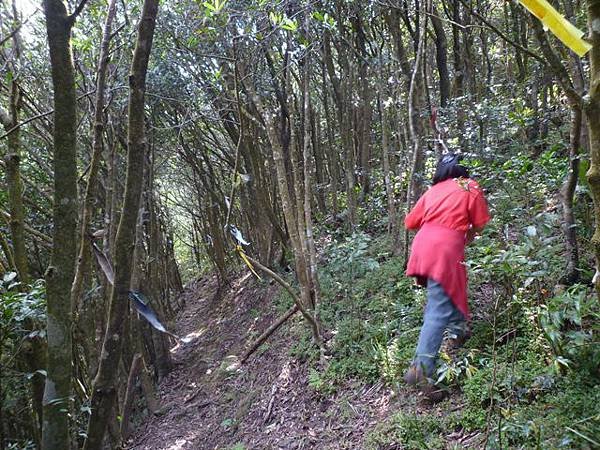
(268, 332)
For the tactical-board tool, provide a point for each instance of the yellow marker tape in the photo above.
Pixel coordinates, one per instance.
(240, 250)
(561, 27)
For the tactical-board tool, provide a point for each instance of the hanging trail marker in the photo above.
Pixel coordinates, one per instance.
(240, 241)
(240, 251)
(137, 298)
(564, 30)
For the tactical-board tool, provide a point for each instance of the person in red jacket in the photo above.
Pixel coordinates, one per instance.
(448, 216)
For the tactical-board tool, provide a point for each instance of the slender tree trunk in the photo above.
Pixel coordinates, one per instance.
(318, 158)
(14, 183)
(104, 388)
(342, 91)
(414, 183)
(393, 228)
(60, 273)
(134, 371)
(10, 119)
(592, 110)
(415, 128)
(290, 215)
(308, 183)
(34, 347)
(575, 100)
(441, 57)
(567, 193)
(90, 191)
(331, 153)
(8, 254)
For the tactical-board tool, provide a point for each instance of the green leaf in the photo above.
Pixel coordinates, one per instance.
(318, 16)
(289, 25)
(275, 18)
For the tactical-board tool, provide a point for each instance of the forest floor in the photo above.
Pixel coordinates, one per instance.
(268, 403)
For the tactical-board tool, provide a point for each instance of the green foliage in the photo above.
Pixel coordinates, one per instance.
(372, 310)
(407, 431)
(569, 321)
(452, 370)
(22, 318)
(532, 354)
(19, 309)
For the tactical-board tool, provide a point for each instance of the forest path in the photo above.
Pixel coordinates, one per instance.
(267, 404)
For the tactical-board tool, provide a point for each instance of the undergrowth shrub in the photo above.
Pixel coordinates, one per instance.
(22, 318)
(408, 431)
(371, 309)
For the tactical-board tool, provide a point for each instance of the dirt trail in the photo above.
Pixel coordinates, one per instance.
(267, 404)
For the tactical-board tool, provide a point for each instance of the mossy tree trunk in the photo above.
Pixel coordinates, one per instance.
(575, 100)
(592, 111)
(10, 120)
(34, 347)
(104, 387)
(60, 273)
(13, 182)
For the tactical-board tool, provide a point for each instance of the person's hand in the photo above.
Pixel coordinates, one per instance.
(471, 233)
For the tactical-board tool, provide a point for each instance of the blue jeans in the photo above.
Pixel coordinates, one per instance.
(440, 314)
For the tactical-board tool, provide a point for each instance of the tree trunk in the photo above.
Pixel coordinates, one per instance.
(342, 91)
(291, 216)
(134, 371)
(104, 389)
(393, 228)
(441, 57)
(592, 110)
(567, 193)
(315, 293)
(84, 259)
(60, 273)
(13, 182)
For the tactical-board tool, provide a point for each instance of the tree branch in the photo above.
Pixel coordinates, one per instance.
(558, 68)
(44, 239)
(502, 35)
(17, 28)
(77, 11)
(37, 116)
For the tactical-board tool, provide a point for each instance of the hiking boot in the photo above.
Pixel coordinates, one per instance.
(415, 376)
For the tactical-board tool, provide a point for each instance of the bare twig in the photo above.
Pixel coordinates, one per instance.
(44, 239)
(41, 115)
(17, 28)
